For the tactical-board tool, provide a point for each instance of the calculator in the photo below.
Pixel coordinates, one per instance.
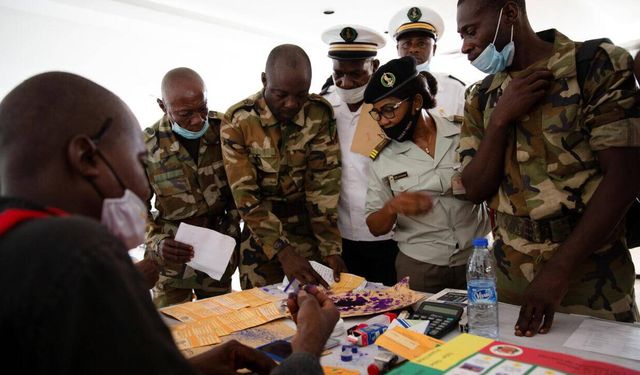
(442, 317)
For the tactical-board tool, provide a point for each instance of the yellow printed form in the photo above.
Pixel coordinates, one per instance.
(444, 357)
(347, 283)
(182, 312)
(330, 370)
(407, 343)
(193, 335)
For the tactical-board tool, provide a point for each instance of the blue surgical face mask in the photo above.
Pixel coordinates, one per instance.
(188, 134)
(491, 61)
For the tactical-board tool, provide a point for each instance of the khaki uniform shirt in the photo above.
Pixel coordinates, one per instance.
(442, 236)
(295, 165)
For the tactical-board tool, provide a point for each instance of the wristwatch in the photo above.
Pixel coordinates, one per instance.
(280, 244)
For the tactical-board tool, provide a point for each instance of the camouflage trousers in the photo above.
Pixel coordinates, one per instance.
(257, 270)
(178, 283)
(601, 287)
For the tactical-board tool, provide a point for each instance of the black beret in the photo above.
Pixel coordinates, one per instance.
(389, 78)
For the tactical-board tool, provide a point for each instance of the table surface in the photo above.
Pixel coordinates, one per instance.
(563, 326)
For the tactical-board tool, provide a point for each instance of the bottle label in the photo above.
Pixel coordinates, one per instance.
(482, 292)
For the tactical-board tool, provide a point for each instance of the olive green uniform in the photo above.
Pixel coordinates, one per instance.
(551, 173)
(285, 179)
(196, 194)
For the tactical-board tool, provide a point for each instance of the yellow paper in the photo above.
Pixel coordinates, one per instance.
(347, 283)
(193, 335)
(330, 370)
(368, 133)
(407, 343)
(218, 306)
(459, 348)
(181, 312)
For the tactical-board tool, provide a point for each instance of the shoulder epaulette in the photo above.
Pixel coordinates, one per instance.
(245, 104)
(320, 99)
(457, 79)
(379, 147)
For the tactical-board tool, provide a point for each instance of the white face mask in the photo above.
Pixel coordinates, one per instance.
(351, 96)
(126, 218)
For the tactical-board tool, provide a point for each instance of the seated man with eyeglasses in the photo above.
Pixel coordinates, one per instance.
(414, 187)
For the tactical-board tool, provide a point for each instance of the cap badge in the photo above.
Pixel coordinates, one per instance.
(349, 34)
(414, 14)
(388, 79)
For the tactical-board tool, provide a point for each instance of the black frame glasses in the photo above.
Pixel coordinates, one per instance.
(387, 112)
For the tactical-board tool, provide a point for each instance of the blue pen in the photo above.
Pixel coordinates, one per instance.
(293, 279)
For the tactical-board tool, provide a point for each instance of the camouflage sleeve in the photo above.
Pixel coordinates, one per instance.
(242, 175)
(612, 100)
(323, 184)
(154, 235)
(472, 130)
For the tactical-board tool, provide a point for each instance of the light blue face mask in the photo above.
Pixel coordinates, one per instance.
(188, 134)
(491, 61)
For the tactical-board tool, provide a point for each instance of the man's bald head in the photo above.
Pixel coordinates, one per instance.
(47, 148)
(41, 115)
(288, 57)
(286, 81)
(181, 81)
(184, 98)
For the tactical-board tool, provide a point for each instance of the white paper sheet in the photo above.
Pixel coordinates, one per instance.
(620, 340)
(212, 250)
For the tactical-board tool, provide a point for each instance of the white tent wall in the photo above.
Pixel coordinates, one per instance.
(127, 45)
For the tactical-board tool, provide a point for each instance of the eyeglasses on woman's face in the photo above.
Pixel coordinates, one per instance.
(387, 111)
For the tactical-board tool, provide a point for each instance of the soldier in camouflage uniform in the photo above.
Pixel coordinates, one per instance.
(282, 158)
(186, 173)
(554, 159)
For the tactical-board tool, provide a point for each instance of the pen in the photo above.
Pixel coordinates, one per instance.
(293, 279)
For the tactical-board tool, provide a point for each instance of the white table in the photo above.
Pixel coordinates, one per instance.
(563, 326)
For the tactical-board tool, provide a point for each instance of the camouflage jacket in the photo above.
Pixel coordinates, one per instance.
(550, 166)
(296, 164)
(183, 190)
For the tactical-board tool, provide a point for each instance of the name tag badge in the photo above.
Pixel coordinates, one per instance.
(398, 176)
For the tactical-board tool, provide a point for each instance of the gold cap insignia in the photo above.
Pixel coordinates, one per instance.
(414, 14)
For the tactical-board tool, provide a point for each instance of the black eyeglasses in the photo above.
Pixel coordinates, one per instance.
(388, 111)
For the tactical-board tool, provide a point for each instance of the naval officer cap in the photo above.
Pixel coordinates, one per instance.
(349, 42)
(389, 78)
(416, 19)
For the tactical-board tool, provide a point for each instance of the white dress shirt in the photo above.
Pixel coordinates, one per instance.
(355, 175)
(450, 96)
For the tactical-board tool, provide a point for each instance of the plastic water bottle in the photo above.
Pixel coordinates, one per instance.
(482, 308)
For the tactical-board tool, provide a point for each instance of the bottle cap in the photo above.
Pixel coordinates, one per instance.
(373, 369)
(480, 242)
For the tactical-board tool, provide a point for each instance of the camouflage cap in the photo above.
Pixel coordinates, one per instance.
(389, 78)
